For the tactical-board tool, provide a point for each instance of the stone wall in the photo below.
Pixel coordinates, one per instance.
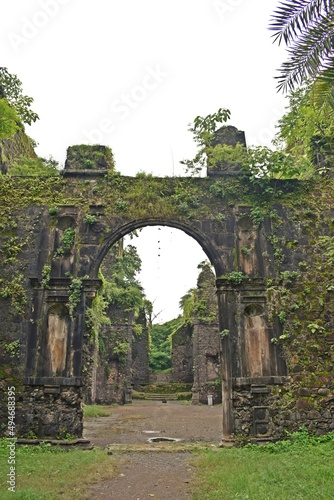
(182, 355)
(271, 247)
(113, 373)
(50, 411)
(140, 354)
(262, 411)
(206, 341)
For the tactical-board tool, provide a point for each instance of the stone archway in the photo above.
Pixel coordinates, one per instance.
(196, 233)
(116, 374)
(61, 261)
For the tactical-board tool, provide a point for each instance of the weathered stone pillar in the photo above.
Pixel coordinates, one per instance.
(54, 359)
(225, 300)
(251, 364)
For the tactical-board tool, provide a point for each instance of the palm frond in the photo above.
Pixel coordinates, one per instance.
(307, 56)
(292, 17)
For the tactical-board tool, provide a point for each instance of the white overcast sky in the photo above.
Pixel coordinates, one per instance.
(132, 74)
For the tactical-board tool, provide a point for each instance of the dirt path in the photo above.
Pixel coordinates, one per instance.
(148, 474)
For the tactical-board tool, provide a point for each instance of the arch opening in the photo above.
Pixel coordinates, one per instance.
(125, 365)
(199, 236)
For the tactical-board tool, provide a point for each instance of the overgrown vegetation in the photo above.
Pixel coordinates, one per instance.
(122, 293)
(66, 473)
(160, 344)
(192, 305)
(298, 468)
(94, 411)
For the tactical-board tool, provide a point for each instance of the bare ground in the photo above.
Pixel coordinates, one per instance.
(158, 470)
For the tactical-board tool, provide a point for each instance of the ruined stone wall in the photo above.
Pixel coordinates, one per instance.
(272, 253)
(113, 372)
(206, 341)
(140, 353)
(261, 413)
(182, 355)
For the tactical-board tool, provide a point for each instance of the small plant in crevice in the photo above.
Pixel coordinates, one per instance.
(53, 211)
(13, 348)
(218, 218)
(121, 349)
(75, 290)
(90, 219)
(257, 215)
(224, 333)
(246, 251)
(288, 277)
(66, 242)
(315, 328)
(235, 277)
(121, 205)
(46, 273)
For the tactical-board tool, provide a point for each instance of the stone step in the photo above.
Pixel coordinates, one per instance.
(160, 397)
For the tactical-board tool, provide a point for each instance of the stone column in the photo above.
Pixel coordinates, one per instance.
(225, 326)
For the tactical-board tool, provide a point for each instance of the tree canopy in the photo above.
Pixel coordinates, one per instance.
(11, 91)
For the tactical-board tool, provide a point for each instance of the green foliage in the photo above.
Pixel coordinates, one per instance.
(137, 330)
(224, 333)
(55, 467)
(246, 251)
(315, 328)
(122, 288)
(14, 290)
(203, 131)
(224, 154)
(36, 167)
(235, 277)
(66, 242)
(160, 344)
(90, 157)
(262, 162)
(9, 120)
(298, 468)
(289, 277)
(46, 273)
(305, 132)
(53, 211)
(94, 411)
(96, 316)
(13, 348)
(10, 249)
(67, 239)
(257, 214)
(11, 90)
(259, 163)
(90, 219)
(208, 124)
(121, 349)
(75, 290)
(326, 243)
(121, 206)
(187, 306)
(306, 27)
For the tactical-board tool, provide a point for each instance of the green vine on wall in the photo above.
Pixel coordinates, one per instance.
(75, 289)
(67, 242)
(46, 273)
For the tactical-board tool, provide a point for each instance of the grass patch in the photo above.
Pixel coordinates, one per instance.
(93, 411)
(49, 473)
(298, 469)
